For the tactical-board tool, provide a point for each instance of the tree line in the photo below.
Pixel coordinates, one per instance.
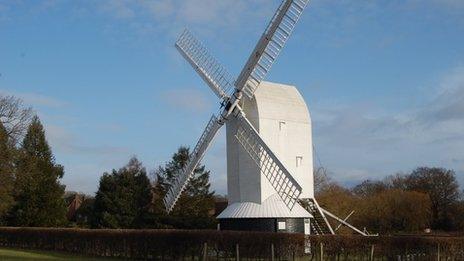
(425, 198)
(127, 198)
(31, 194)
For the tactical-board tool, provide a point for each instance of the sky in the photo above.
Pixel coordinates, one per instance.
(384, 80)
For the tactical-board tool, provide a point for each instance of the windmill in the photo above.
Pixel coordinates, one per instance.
(265, 193)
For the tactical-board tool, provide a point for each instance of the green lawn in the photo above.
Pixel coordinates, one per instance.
(17, 254)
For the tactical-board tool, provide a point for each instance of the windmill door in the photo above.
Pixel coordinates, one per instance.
(307, 230)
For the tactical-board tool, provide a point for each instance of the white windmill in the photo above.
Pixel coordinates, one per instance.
(269, 145)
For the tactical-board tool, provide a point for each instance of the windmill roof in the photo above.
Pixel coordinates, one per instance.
(272, 207)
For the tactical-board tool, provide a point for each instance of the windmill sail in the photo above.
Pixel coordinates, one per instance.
(281, 180)
(209, 69)
(186, 173)
(220, 81)
(269, 46)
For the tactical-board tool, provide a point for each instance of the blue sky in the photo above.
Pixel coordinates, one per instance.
(384, 80)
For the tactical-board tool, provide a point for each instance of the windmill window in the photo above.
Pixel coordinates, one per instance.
(299, 160)
(282, 125)
(281, 225)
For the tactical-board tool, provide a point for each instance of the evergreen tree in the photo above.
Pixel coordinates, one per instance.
(6, 174)
(193, 208)
(38, 192)
(123, 198)
(158, 215)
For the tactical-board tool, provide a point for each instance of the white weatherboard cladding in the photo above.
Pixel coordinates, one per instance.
(280, 115)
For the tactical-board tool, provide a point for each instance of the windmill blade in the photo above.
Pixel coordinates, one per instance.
(186, 173)
(209, 69)
(269, 46)
(281, 180)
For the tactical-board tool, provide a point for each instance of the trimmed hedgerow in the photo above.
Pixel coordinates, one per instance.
(182, 244)
(391, 247)
(163, 244)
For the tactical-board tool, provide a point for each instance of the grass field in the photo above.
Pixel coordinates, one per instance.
(19, 254)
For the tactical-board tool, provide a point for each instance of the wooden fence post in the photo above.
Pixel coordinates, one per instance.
(322, 251)
(372, 253)
(438, 251)
(205, 251)
(272, 252)
(237, 253)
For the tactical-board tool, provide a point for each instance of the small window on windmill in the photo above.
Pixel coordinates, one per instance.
(299, 160)
(281, 225)
(307, 228)
(282, 125)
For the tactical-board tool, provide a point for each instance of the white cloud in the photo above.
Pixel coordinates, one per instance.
(160, 9)
(450, 3)
(64, 141)
(41, 100)
(170, 16)
(189, 100)
(84, 162)
(35, 99)
(206, 12)
(119, 8)
(4, 9)
(352, 137)
(83, 177)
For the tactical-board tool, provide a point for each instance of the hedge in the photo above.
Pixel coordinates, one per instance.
(154, 244)
(189, 244)
(408, 247)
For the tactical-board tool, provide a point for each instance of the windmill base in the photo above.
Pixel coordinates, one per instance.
(287, 225)
(272, 215)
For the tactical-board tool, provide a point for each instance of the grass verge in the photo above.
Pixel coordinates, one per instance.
(7, 254)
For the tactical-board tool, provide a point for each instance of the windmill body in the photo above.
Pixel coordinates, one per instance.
(281, 117)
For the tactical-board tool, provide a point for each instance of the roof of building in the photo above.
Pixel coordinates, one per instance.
(272, 207)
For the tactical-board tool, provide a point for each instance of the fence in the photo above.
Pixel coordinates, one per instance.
(230, 245)
(411, 247)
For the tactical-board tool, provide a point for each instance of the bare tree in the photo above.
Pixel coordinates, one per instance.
(443, 189)
(321, 179)
(14, 116)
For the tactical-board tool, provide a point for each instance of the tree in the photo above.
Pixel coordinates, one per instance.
(457, 216)
(339, 201)
(377, 207)
(84, 214)
(158, 217)
(193, 208)
(397, 181)
(38, 192)
(369, 188)
(321, 180)
(441, 185)
(6, 174)
(393, 210)
(14, 116)
(124, 197)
